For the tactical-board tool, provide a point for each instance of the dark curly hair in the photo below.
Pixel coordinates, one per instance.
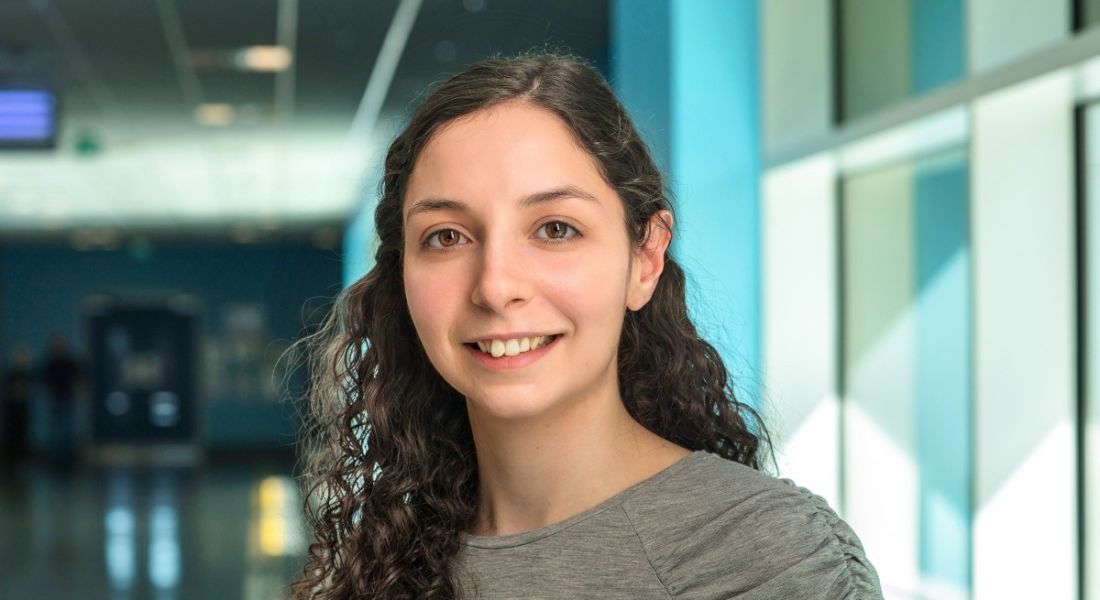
(391, 476)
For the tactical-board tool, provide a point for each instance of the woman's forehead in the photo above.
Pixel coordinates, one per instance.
(505, 154)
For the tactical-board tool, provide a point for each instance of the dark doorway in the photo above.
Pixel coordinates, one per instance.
(142, 368)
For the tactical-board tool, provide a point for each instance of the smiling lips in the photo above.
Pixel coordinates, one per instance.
(513, 346)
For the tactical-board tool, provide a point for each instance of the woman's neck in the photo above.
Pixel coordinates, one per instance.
(540, 472)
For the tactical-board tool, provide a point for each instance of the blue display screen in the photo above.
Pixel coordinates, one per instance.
(28, 118)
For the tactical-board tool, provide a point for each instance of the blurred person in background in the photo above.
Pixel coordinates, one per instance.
(62, 377)
(15, 397)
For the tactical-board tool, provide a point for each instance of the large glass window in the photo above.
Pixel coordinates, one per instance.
(906, 375)
(896, 49)
(1002, 31)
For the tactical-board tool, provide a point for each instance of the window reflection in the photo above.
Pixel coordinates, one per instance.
(893, 50)
(275, 537)
(164, 548)
(275, 529)
(120, 548)
(164, 545)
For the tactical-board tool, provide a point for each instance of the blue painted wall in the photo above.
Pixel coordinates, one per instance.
(641, 71)
(42, 287)
(698, 61)
(359, 242)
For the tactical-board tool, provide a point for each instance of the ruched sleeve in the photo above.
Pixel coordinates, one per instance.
(750, 536)
(845, 571)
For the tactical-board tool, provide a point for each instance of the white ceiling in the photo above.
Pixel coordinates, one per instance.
(296, 158)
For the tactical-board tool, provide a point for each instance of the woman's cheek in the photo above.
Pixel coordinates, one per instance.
(428, 297)
(592, 281)
(589, 297)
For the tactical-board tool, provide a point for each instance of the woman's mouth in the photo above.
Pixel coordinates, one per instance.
(512, 353)
(513, 347)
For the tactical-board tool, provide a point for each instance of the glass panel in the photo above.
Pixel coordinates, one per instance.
(893, 50)
(1025, 448)
(1092, 353)
(906, 370)
(1090, 12)
(800, 321)
(796, 72)
(1000, 31)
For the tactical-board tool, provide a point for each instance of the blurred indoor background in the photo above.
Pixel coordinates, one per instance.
(886, 208)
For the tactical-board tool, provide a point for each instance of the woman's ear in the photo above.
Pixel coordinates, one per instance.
(649, 261)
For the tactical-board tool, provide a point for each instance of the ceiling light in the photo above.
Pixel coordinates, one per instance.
(214, 115)
(262, 58)
(22, 206)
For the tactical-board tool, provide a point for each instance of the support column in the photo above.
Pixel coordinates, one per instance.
(688, 73)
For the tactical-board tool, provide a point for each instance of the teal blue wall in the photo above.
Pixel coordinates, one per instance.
(359, 243)
(699, 62)
(42, 287)
(640, 71)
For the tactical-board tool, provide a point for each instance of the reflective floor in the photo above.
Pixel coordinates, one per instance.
(118, 533)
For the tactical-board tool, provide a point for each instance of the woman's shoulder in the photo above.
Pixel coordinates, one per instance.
(715, 528)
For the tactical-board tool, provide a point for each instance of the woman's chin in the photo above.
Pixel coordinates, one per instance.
(511, 405)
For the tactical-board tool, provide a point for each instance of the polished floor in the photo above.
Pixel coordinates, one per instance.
(163, 533)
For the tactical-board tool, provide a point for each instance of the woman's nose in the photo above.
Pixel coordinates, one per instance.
(503, 278)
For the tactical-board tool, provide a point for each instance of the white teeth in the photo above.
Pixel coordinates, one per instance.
(513, 347)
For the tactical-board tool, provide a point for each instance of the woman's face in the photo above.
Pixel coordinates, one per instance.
(517, 265)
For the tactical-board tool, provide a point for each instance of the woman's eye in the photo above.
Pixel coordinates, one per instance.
(444, 238)
(557, 230)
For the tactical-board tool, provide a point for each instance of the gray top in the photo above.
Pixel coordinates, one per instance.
(703, 528)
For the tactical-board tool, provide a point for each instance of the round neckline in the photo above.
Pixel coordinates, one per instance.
(526, 537)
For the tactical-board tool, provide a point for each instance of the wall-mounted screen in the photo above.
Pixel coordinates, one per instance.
(28, 118)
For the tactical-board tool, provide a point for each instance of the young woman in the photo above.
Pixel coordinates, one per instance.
(513, 403)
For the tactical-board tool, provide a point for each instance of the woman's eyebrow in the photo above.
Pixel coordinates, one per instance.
(568, 191)
(441, 204)
(433, 205)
